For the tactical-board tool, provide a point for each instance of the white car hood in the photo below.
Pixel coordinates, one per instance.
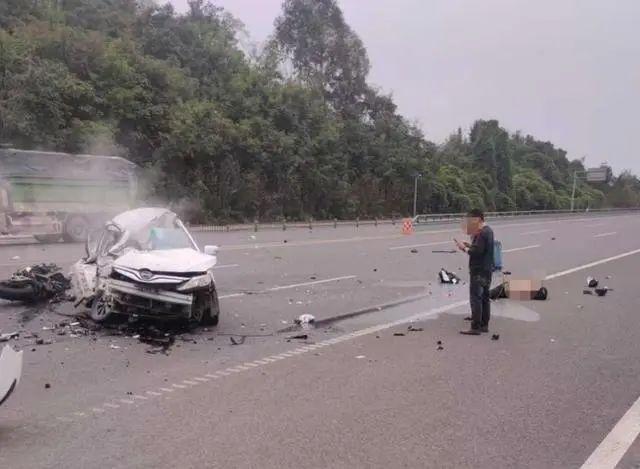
(167, 260)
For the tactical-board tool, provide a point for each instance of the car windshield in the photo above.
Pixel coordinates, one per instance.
(149, 230)
(169, 238)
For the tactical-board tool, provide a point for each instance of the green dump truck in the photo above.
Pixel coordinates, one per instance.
(55, 196)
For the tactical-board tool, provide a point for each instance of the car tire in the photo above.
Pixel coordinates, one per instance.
(100, 310)
(47, 238)
(12, 292)
(206, 310)
(76, 229)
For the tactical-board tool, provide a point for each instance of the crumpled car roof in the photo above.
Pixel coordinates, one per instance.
(139, 218)
(135, 225)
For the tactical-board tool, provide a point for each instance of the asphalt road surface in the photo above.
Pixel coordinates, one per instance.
(559, 389)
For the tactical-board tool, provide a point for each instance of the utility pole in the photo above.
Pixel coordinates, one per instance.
(573, 191)
(583, 174)
(415, 193)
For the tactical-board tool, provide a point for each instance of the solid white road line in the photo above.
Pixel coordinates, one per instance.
(614, 446)
(602, 235)
(420, 245)
(316, 282)
(592, 264)
(524, 248)
(226, 266)
(534, 232)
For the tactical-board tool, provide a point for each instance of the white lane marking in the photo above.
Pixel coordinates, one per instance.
(98, 410)
(141, 398)
(232, 295)
(202, 380)
(294, 285)
(153, 393)
(213, 376)
(111, 406)
(317, 282)
(190, 383)
(80, 414)
(408, 246)
(593, 226)
(166, 389)
(602, 235)
(179, 386)
(614, 446)
(534, 232)
(592, 264)
(533, 246)
(65, 419)
(226, 266)
(250, 364)
(126, 401)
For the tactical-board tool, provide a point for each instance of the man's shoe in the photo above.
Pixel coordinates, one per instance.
(471, 332)
(484, 329)
(468, 318)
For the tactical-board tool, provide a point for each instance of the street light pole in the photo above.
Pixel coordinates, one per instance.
(415, 194)
(573, 192)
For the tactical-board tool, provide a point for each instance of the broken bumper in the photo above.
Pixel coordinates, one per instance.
(130, 298)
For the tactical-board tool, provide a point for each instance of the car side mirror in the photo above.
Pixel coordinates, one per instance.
(211, 250)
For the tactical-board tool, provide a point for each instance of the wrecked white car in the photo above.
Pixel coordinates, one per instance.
(144, 263)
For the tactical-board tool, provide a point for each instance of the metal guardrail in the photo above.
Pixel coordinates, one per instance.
(418, 220)
(529, 213)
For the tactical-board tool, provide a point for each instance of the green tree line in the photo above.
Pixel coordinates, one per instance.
(295, 131)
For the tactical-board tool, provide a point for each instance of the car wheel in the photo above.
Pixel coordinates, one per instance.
(100, 310)
(206, 310)
(76, 229)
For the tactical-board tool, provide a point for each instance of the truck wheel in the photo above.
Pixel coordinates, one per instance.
(206, 309)
(76, 229)
(100, 310)
(47, 238)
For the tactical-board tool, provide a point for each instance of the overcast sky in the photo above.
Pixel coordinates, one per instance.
(567, 71)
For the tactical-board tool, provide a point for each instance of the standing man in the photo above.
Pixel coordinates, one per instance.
(480, 252)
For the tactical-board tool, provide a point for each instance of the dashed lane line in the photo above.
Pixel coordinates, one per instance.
(534, 232)
(602, 235)
(524, 248)
(611, 445)
(294, 285)
(409, 246)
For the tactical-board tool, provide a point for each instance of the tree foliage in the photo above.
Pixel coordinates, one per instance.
(222, 136)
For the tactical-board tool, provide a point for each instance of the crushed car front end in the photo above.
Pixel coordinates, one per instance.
(156, 294)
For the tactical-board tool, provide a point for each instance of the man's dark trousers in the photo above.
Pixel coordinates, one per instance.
(479, 299)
